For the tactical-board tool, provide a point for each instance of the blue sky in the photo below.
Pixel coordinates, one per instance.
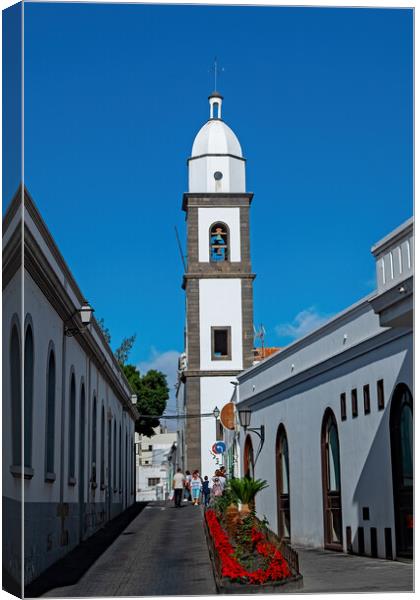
(321, 100)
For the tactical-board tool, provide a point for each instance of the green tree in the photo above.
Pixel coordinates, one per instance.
(152, 395)
(124, 349)
(104, 329)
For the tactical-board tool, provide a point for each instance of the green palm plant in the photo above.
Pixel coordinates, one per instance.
(245, 489)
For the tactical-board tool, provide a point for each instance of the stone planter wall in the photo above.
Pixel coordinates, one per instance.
(225, 586)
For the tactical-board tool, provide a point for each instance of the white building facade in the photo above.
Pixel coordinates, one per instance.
(218, 285)
(156, 462)
(335, 409)
(71, 460)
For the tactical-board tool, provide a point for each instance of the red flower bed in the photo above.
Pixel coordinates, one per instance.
(276, 570)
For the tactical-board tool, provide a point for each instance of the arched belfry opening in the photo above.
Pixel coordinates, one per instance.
(219, 242)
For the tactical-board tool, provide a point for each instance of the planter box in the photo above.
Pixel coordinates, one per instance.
(226, 586)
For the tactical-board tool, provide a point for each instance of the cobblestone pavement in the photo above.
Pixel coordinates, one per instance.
(325, 571)
(162, 551)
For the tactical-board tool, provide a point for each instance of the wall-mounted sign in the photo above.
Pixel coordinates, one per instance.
(218, 447)
(227, 416)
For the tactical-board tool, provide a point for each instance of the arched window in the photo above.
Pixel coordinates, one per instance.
(94, 425)
(82, 462)
(120, 465)
(49, 455)
(130, 450)
(29, 393)
(103, 447)
(16, 396)
(248, 458)
(115, 455)
(401, 430)
(219, 242)
(282, 472)
(126, 467)
(72, 428)
(331, 480)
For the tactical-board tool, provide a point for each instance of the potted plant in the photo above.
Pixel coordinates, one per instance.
(244, 491)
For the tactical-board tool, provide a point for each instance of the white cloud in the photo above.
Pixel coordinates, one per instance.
(167, 362)
(305, 321)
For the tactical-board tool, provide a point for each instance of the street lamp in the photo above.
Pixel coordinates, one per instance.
(245, 417)
(216, 413)
(245, 420)
(133, 398)
(85, 313)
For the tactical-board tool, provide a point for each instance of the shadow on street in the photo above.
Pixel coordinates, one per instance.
(69, 569)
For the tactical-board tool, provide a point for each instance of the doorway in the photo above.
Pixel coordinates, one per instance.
(401, 431)
(331, 483)
(282, 481)
(248, 458)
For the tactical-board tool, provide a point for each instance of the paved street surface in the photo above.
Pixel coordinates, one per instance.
(338, 572)
(162, 551)
(157, 549)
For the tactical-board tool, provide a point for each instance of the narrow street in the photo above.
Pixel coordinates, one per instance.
(335, 572)
(157, 550)
(161, 552)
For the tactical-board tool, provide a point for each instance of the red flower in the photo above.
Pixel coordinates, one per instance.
(277, 568)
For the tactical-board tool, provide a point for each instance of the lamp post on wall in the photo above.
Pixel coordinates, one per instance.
(245, 421)
(85, 313)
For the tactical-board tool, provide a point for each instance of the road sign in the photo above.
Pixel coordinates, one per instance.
(218, 447)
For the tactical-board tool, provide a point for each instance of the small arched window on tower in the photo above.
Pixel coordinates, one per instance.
(219, 242)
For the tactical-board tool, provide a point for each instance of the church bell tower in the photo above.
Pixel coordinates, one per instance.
(218, 283)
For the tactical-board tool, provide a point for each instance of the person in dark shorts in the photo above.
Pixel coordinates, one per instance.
(178, 487)
(206, 491)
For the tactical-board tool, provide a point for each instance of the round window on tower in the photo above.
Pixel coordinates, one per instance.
(218, 175)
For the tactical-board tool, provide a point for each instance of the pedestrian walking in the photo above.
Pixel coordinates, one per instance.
(206, 491)
(217, 489)
(178, 487)
(196, 488)
(222, 478)
(187, 486)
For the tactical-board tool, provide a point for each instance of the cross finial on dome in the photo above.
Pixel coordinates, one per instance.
(215, 97)
(216, 70)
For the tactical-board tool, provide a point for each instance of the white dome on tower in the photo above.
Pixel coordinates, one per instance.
(215, 137)
(216, 164)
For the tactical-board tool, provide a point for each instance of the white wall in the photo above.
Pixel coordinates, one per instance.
(214, 391)
(201, 175)
(48, 327)
(220, 305)
(366, 475)
(206, 218)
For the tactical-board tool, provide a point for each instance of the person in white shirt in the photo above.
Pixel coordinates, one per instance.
(178, 487)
